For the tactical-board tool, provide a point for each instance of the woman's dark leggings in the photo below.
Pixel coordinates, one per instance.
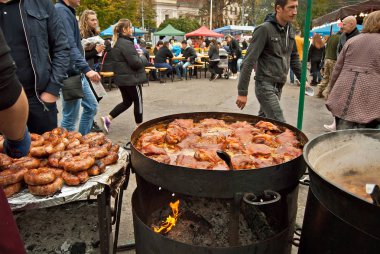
(214, 69)
(234, 65)
(316, 72)
(130, 94)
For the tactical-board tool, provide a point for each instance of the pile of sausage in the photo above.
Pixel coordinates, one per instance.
(55, 158)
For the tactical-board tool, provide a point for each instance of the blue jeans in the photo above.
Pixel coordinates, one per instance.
(70, 110)
(184, 67)
(239, 62)
(164, 65)
(291, 76)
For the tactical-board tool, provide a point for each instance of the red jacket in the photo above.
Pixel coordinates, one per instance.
(10, 241)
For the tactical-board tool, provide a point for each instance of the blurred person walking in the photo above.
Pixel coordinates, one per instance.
(355, 92)
(271, 52)
(316, 51)
(329, 62)
(78, 65)
(129, 71)
(235, 53)
(88, 26)
(214, 59)
(299, 44)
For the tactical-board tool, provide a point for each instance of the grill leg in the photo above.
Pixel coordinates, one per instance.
(233, 227)
(104, 215)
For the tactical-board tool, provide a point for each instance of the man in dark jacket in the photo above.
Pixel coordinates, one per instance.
(40, 49)
(272, 50)
(349, 30)
(162, 59)
(189, 54)
(78, 65)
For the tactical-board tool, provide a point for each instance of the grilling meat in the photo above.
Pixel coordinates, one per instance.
(190, 162)
(242, 161)
(186, 143)
(175, 134)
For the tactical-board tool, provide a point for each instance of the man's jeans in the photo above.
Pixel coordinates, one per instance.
(269, 94)
(164, 65)
(291, 75)
(70, 110)
(184, 66)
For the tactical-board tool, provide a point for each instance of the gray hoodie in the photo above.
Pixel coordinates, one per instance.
(272, 50)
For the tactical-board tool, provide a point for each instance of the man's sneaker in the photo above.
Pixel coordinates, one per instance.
(106, 123)
(95, 127)
(331, 127)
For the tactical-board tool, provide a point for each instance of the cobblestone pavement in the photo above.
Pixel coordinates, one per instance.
(194, 96)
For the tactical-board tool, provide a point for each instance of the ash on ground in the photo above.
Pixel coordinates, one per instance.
(204, 222)
(66, 229)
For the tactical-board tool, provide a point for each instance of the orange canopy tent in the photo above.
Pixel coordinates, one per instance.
(203, 31)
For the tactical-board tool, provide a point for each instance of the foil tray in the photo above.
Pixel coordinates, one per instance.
(24, 200)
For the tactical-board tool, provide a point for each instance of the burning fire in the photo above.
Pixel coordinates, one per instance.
(170, 221)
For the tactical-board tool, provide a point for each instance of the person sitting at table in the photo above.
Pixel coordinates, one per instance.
(163, 56)
(159, 44)
(189, 54)
(214, 59)
(146, 54)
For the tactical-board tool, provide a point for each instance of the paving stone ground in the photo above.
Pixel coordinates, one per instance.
(194, 95)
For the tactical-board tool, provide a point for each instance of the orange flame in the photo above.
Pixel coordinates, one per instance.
(170, 221)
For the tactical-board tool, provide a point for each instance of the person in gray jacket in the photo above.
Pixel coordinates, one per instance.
(214, 59)
(39, 47)
(271, 52)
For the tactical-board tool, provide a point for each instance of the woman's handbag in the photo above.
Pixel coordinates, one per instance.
(72, 88)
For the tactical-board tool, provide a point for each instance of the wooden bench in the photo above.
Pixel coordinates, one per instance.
(107, 75)
(161, 71)
(148, 70)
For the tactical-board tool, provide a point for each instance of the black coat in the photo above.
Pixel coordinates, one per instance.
(162, 54)
(235, 48)
(315, 54)
(189, 52)
(213, 53)
(127, 65)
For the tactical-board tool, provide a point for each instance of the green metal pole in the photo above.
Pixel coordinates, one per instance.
(301, 102)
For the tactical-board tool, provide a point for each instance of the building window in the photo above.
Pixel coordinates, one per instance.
(166, 16)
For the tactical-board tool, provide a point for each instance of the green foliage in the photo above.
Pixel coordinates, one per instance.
(110, 11)
(183, 24)
(258, 9)
(218, 6)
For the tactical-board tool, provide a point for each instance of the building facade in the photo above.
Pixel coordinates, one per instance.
(167, 9)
